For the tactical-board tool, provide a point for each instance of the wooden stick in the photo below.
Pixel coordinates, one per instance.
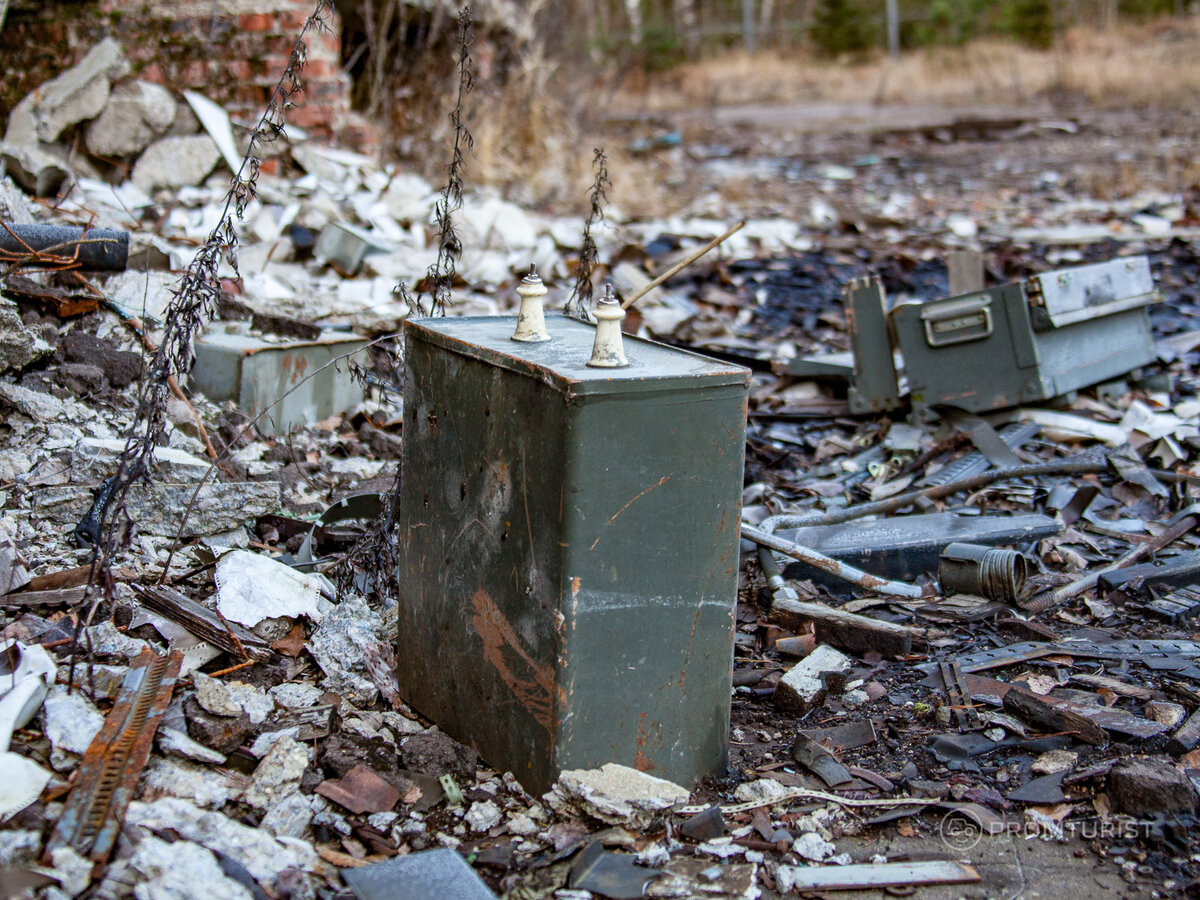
(679, 267)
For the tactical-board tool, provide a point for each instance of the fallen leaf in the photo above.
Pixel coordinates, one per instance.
(292, 643)
(906, 829)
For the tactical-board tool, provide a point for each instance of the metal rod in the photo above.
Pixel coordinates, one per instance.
(679, 267)
(834, 567)
(1044, 601)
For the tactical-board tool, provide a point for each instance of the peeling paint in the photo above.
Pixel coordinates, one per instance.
(536, 691)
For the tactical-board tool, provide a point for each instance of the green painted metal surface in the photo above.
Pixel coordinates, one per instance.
(1026, 343)
(570, 548)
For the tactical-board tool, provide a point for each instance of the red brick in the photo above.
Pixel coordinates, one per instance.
(256, 22)
(269, 166)
(152, 72)
(293, 20)
(239, 69)
(310, 116)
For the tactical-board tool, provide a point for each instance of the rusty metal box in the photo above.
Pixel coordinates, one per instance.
(1028, 342)
(569, 544)
(254, 373)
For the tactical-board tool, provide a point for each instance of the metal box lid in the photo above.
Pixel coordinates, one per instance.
(1085, 292)
(561, 362)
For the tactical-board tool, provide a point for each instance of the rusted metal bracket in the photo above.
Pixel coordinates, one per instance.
(966, 717)
(108, 775)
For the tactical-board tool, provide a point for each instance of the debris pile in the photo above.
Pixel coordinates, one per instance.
(951, 628)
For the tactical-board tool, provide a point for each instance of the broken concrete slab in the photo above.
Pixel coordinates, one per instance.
(19, 346)
(618, 794)
(803, 686)
(136, 113)
(80, 92)
(339, 647)
(175, 162)
(263, 855)
(40, 169)
(277, 775)
(158, 509)
(175, 870)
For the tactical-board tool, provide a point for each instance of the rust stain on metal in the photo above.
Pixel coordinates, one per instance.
(109, 772)
(641, 762)
(501, 645)
(634, 499)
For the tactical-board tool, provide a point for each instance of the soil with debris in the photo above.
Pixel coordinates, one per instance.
(272, 754)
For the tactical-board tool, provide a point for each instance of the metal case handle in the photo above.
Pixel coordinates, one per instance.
(958, 322)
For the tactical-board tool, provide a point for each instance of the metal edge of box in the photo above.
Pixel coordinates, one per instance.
(728, 375)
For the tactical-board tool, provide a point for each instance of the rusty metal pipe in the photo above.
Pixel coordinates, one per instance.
(834, 567)
(1172, 533)
(91, 248)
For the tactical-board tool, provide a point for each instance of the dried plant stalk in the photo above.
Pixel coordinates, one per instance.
(440, 277)
(194, 300)
(580, 301)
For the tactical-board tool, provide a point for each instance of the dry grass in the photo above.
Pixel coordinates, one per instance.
(1154, 64)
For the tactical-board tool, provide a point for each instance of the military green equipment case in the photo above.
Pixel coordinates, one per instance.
(570, 548)
(1025, 343)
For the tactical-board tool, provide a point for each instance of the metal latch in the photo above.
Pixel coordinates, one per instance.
(959, 321)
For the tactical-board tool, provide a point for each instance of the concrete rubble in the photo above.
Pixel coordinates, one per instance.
(286, 758)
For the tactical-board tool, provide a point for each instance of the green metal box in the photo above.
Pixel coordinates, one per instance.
(1027, 342)
(570, 544)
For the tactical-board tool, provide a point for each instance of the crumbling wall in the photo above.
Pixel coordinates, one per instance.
(232, 51)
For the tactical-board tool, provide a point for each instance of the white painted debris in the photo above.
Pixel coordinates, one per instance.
(176, 743)
(177, 870)
(21, 779)
(215, 121)
(803, 686)
(252, 587)
(483, 816)
(296, 694)
(204, 786)
(618, 794)
(764, 789)
(813, 846)
(71, 720)
(263, 855)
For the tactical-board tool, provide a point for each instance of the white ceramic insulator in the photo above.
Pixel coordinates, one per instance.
(531, 320)
(608, 352)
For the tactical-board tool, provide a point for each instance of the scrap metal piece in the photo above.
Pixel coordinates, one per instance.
(839, 628)
(108, 774)
(1178, 571)
(1056, 333)
(875, 387)
(878, 875)
(202, 622)
(569, 548)
(983, 571)
(905, 547)
(810, 754)
(965, 715)
(975, 463)
(610, 874)
(1117, 650)
(255, 373)
(429, 875)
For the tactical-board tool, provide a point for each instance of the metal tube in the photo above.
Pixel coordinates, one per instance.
(833, 566)
(91, 248)
(983, 571)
